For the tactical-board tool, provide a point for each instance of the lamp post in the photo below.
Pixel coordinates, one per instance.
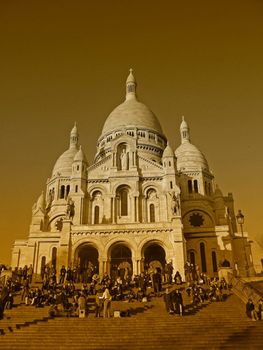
(240, 220)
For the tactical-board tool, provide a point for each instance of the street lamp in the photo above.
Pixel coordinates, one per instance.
(240, 220)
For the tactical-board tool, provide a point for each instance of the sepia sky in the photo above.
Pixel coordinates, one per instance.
(66, 61)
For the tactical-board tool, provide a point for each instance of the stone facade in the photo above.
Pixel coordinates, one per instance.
(138, 205)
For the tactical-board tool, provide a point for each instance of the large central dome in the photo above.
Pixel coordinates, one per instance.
(131, 113)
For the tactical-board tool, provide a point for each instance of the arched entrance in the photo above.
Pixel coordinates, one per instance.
(121, 261)
(87, 260)
(154, 257)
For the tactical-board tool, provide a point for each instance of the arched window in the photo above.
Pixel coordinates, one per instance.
(209, 189)
(195, 186)
(124, 202)
(67, 190)
(190, 188)
(214, 262)
(62, 192)
(54, 257)
(76, 188)
(42, 266)
(152, 213)
(203, 259)
(96, 214)
(192, 258)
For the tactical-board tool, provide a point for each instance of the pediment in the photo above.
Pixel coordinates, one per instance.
(101, 167)
(147, 165)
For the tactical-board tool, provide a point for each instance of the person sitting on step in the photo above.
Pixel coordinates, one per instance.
(250, 310)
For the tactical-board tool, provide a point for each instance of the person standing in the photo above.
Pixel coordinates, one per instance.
(178, 302)
(157, 282)
(106, 302)
(30, 273)
(82, 305)
(63, 272)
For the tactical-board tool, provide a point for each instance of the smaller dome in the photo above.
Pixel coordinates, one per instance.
(131, 78)
(168, 152)
(183, 124)
(218, 192)
(190, 158)
(64, 163)
(74, 130)
(80, 156)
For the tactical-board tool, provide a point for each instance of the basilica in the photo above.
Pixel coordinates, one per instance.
(139, 205)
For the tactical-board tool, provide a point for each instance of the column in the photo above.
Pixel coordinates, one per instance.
(138, 267)
(134, 266)
(135, 209)
(101, 267)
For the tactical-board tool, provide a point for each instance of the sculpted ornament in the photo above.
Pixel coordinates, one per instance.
(124, 160)
(70, 211)
(175, 204)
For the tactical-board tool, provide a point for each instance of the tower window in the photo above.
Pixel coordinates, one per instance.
(62, 192)
(76, 188)
(171, 184)
(96, 214)
(195, 186)
(170, 163)
(77, 167)
(131, 88)
(124, 202)
(152, 213)
(54, 257)
(190, 186)
(214, 262)
(209, 189)
(203, 258)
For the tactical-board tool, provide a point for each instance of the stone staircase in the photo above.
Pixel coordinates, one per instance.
(22, 316)
(217, 325)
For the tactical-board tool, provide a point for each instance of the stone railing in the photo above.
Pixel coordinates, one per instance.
(243, 290)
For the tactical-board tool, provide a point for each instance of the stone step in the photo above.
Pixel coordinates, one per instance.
(216, 325)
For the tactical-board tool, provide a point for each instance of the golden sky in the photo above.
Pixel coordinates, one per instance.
(66, 61)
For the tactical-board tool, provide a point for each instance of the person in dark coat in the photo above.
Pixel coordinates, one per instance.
(178, 302)
(157, 282)
(250, 310)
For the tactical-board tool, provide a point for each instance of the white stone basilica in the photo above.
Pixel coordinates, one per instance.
(138, 205)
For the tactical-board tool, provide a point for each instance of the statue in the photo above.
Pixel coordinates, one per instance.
(49, 200)
(59, 224)
(123, 160)
(175, 204)
(70, 212)
(39, 205)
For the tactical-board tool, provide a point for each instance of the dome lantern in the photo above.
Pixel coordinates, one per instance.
(185, 131)
(131, 86)
(74, 137)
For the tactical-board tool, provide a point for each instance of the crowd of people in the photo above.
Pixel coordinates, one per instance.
(59, 292)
